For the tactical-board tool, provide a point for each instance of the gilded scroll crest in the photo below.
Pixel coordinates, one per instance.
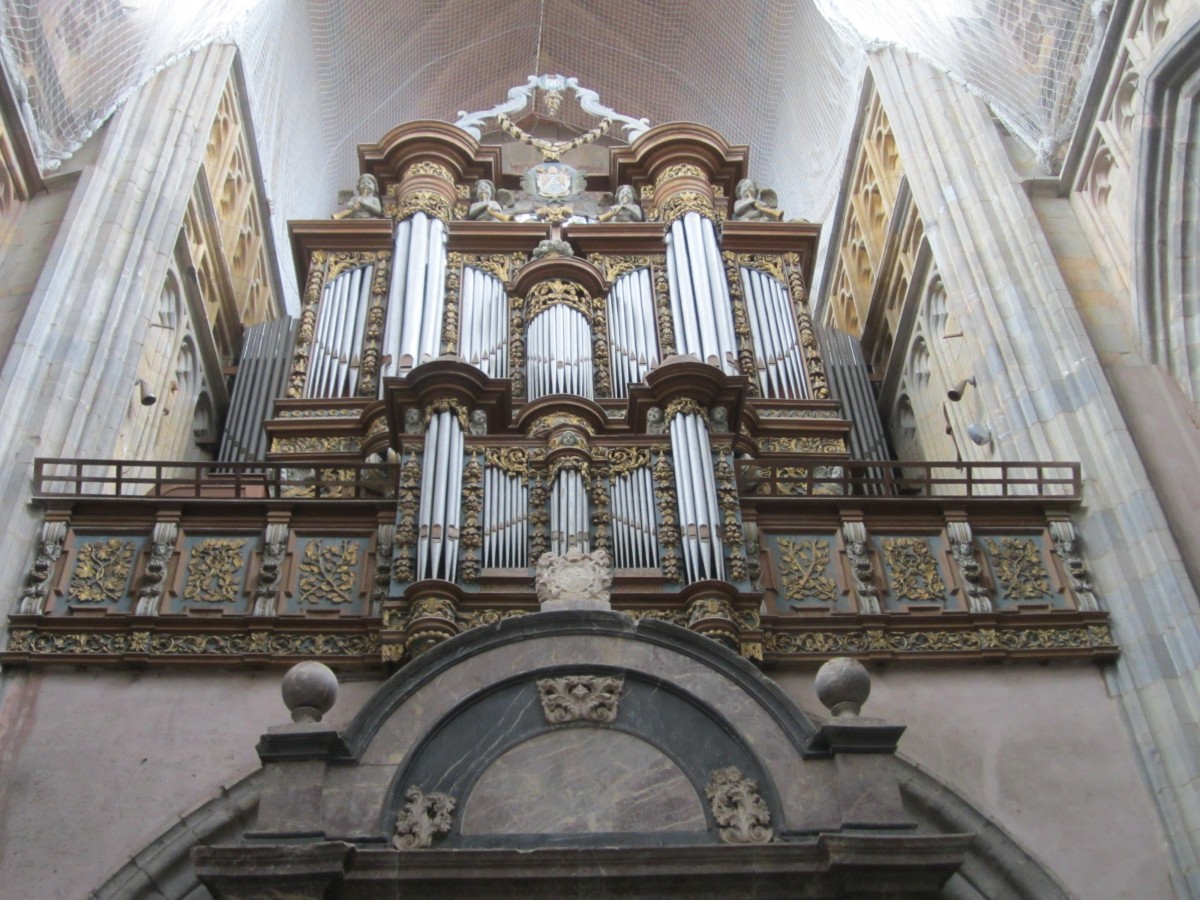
(913, 570)
(429, 167)
(328, 571)
(423, 817)
(547, 293)
(574, 698)
(679, 170)
(682, 405)
(214, 571)
(613, 267)
(432, 203)
(510, 460)
(679, 205)
(101, 571)
(738, 809)
(448, 405)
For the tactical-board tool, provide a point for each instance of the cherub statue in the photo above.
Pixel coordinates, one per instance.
(477, 422)
(365, 204)
(489, 203)
(753, 205)
(624, 208)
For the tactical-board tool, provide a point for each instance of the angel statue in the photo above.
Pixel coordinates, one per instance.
(624, 207)
(753, 205)
(489, 203)
(365, 204)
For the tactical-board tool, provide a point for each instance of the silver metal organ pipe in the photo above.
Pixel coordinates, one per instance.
(776, 387)
(414, 291)
(454, 499)
(683, 302)
(435, 289)
(394, 318)
(341, 288)
(316, 359)
(722, 307)
(713, 516)
(441, 482)
(770, 301)
(702, 291)
(345, 331)
(689, 536)
(425, 509)
(468, 349)
(360, 328)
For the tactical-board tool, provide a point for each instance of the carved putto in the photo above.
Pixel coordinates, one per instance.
(739, 810)
(423, 817)
(625, 207)
(574, 580)
(571, 698)
(754, 205)
(488, 203)
(365, 204)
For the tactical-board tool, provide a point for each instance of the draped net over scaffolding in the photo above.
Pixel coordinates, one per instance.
(770, 73)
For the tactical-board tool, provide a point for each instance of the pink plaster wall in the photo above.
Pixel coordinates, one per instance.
(1040, 750)
(95, 765)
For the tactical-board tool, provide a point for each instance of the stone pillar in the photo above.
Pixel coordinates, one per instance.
(1042, 378)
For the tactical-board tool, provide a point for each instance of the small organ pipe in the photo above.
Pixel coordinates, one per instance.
(425, 512)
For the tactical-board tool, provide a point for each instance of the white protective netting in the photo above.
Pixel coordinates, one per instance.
(326, 75)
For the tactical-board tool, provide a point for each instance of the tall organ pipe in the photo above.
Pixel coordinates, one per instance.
(416, 296)
(699, 512)
(440, 505)
(776, 338)
(699, 294)
(560, 353)
(569, 515)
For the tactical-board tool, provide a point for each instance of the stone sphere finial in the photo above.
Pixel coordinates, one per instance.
(843, 685)
(309, 690)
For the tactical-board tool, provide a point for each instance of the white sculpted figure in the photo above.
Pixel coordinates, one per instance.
(625, 207)
(489, 203)
(365, 204)
(753, 205)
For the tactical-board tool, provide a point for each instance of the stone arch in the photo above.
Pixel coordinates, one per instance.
(1168, 183)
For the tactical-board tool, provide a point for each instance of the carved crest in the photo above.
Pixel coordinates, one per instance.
(592, 698)
(574, 576)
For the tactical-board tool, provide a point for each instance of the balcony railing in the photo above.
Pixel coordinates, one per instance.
(141, 479)
(823, 477)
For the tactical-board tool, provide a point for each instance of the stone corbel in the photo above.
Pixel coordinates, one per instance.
(962, 551)
(1066, 548)
(162, 548)
(50, 547)
(858, 554)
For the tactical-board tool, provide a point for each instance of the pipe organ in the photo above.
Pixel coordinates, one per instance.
(608, 352)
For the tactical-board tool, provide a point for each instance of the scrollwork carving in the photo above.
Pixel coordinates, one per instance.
(740, 812)
(102, 571)
(50, 547)
(573, 698)
(679, 205)
(962, 551)
(803, 566)
(328, 571)
(1019, 569)
(859, 557)
(432, 203)
(913, 571)
(213, 571)
(162, 548)
(1066, 548)
(423, 817)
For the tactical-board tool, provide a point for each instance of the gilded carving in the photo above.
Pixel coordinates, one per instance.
(308, 443)
(432, 203)
(511, 460)
(318, 414)
(599, 319)
(802, 445)
(1019, 569)
(502, 266)
(684, 405)
(770, 263)
(679, 205)
(547, 293)
(741, 322)
(101, 571)
(679, 170)
(543, 424)
(448, 405)
(662, 307)
(658, 615)
(52, 643)
(623, 460)
(423, 817)
(471, 534)
(479, 617)
(429, 167)
(450, 304)
(767, 412)
(539, 518)
(327, 571)
(368, 372)
(214, 570)
(913, 571)
(727, 498)
(573, 698)
(432, 608)
(668, 529)
(404, 549)
(516, 344)
(613, 267)
(803, 566)
(739, 811)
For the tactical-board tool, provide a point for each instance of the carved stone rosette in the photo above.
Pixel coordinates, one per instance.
(738, 809)
(574, 698)
(423, 817)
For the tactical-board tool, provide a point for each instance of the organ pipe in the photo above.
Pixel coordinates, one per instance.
(337, 340)
(505, 512)
(633, 343)
(699, 513)
(700, 305)
(440, 506)
(780, 362)
(631, 504)
(559, 348)
(416, 295)
(569, 513)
